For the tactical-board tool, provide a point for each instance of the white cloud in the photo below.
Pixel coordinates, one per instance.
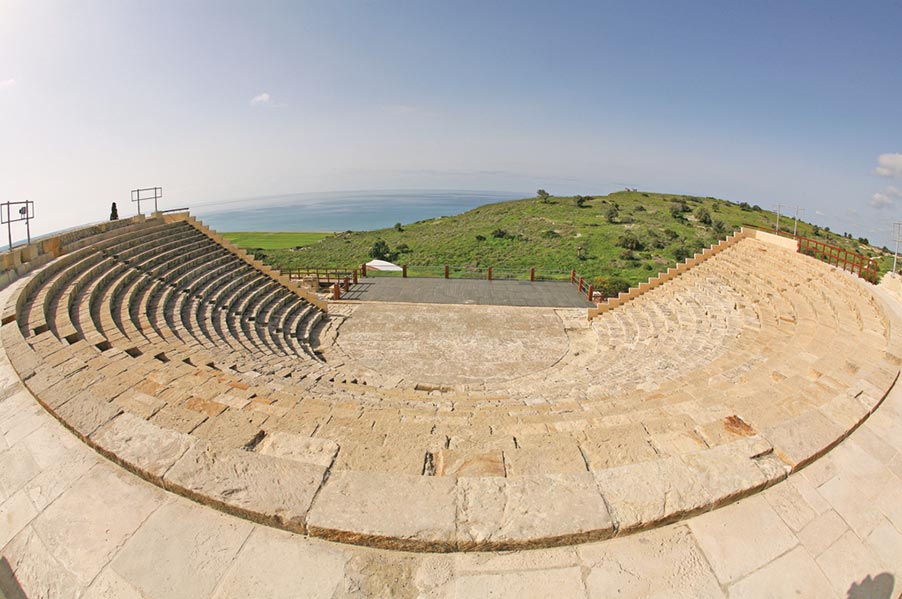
(880, 200)
(884, 199)
(819, 213)
(7, 83)
(889, 165)
(263, 99)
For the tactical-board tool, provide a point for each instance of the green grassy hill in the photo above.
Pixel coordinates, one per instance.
(626, 235)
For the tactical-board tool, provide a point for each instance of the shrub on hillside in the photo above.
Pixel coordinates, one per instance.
(630, 242)
(480, 238)
(702, 215)
(611, 286)
(502, 234)
(612, 214)
(543, 196)
(719, 227)
(549, 234)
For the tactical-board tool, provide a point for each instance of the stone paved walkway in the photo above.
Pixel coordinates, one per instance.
(538, 294)
(73, 524)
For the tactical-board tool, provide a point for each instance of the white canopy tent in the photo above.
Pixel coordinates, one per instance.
(383, 265)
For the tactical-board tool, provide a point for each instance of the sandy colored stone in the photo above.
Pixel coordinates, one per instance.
(563, 582)
(85, 527)
(849, 562)
(448, 462)
(664, 562)
(261, 488)
(453, 344)
(617, 450)
(85, 415)
(276, 564)
(138, 403)
(206, 406)
(804, 438)
(741, 537)
(178, 419)
(191, 544)
(651, 493)
(790, 505)
(15, 514)
(141, 446)
(391, 511)
(530, 511)
(727, 472)
(794, 574)
(556, 459)
(17, 467)
(35, 571)
(231, 429)
(311, 450)
(109, 585)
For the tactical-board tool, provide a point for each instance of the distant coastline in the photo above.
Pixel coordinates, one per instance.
(344, 211)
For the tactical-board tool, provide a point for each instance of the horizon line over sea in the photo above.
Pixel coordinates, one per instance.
(343, 210)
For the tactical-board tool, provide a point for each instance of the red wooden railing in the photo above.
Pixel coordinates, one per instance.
(864, 267)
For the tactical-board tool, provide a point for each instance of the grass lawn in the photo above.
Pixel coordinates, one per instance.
(274, 241)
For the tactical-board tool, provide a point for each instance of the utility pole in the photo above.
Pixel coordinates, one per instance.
(780, 208)
(897, 237)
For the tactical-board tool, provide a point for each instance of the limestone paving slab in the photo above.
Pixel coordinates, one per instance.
(530, 511)
(262, 488)
(353, 507)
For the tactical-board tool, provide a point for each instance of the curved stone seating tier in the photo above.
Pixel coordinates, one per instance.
(455, 427)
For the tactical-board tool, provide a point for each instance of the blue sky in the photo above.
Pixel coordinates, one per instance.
(764, 102)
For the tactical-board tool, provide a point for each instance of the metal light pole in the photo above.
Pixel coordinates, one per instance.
(796, 226)
(780, 208)
(897, 237)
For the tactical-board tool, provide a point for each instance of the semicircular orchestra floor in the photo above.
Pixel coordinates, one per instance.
(441, 428)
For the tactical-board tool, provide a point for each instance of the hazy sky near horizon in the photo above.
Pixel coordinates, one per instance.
(764, 102)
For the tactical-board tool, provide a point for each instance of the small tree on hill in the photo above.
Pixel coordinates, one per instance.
(380, 251)
(612, 214)
(581, 201)
(114, 212)
(719, 227)
(702, 215)
(543, 196)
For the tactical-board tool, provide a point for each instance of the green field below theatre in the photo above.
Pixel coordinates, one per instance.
(619, 239)
(274, 241)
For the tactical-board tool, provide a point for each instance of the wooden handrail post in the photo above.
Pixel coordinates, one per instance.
(446, 271)
(490, 273)
(591, 291)
(572, 276)
(347, 285)
(404, 271)
(355, 276)
(532, 274)
(336, 292)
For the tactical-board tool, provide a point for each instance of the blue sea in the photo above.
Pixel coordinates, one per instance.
(343, 210)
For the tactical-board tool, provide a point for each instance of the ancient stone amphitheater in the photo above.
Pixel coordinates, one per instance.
(443, 428)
